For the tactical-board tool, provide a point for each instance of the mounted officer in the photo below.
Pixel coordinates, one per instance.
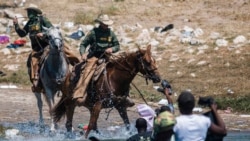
(38, 41)
(102, 40)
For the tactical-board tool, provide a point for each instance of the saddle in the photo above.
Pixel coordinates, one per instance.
(78, 68)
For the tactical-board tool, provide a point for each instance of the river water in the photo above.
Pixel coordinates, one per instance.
(32, 132)
(19, 115)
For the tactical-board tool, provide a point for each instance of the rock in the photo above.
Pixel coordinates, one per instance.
(214, 35)
(201, 63)
(12, 67)
(221, 42)
(174, 57)
(239, 39)
(144, 37)
(198, 32)
(5, 51)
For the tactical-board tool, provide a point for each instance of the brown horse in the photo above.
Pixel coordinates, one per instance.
(110, 90)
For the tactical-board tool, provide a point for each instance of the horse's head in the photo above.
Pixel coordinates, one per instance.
(54, 38)
(147, 65)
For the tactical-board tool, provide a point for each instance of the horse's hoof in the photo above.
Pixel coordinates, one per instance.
(70, 135)
(42, 129)
(52, 133)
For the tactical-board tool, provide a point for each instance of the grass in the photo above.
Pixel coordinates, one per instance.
(19, 77)
(237, 103)
(83, 18)
(111, 10)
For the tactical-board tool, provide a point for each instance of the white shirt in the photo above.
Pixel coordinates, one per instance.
(191, 127)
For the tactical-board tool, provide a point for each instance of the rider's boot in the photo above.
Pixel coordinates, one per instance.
(80, 100)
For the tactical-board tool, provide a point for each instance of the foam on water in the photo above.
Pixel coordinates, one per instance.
(31, 131)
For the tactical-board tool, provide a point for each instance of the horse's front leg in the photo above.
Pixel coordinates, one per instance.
(40, 107)
(93, 117)
(51, 102)
(123, 113)
(70, 108)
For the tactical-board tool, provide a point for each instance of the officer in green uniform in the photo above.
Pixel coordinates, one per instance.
(34, 28)
(38, 42)
(102, 40)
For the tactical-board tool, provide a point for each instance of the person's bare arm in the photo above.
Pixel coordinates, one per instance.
(167, 94)
(220, 128)
(170, 101)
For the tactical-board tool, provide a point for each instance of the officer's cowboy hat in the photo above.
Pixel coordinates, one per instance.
(104, 19)
(38, 11)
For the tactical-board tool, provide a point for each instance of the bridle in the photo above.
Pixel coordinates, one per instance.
(52, 42)
(148, 70)
(139, 59)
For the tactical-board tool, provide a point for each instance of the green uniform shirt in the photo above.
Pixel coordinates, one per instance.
(99, 40)
(34, 26)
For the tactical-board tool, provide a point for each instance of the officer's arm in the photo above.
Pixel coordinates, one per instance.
(86, 41)
(115, 43)
(22, 32)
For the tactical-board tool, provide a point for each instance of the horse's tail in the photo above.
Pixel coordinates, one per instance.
(59, 110)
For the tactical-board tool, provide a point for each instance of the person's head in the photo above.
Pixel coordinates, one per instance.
(186, 102)
(104, 21)
(164, 108)
(33, 12)
(163, 126)
(141, 125)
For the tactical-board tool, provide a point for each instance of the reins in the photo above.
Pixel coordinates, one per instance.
(131, 73)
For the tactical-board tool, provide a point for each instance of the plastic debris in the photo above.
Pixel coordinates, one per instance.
(4, 39)
(77, 35)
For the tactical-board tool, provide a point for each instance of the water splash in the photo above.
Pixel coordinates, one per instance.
(32, 131)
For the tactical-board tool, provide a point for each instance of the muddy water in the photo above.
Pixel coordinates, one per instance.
(19, 113)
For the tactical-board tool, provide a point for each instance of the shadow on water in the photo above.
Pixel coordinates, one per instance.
(31, 131)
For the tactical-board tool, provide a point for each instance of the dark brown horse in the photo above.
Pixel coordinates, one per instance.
(109, 90)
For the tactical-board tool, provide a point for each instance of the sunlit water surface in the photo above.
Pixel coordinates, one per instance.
(33, 132)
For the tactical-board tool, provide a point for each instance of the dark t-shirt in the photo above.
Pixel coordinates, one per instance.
(146, 136)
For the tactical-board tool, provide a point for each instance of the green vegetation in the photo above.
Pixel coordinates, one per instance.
(19, 77)
(237, 103)
(111, 10)
(83, 18)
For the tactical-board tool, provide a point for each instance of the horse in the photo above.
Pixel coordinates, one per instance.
(53, 71)
(110, 90)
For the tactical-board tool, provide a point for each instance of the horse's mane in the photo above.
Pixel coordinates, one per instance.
(122, 56)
